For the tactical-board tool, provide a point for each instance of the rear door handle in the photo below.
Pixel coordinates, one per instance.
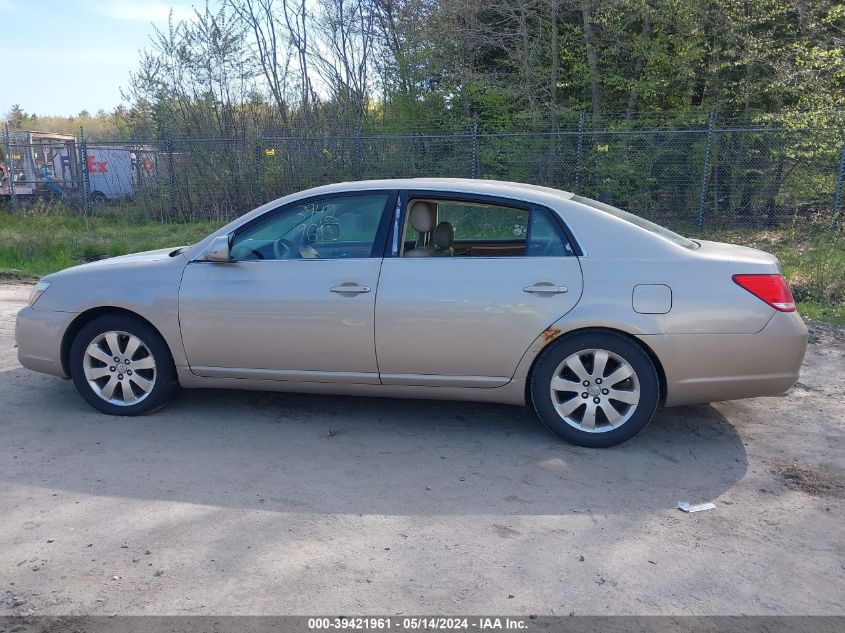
(350, 288)
(545, 287)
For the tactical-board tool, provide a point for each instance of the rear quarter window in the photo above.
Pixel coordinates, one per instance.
(636, 220)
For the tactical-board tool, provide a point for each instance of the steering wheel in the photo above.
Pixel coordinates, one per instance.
(283, 248)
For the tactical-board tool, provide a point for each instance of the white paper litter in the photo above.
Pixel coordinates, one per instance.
(686, 506)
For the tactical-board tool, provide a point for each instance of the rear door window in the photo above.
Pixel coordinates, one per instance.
(488, 230)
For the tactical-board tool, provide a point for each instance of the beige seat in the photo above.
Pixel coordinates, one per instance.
(423, 215)
(443, 238)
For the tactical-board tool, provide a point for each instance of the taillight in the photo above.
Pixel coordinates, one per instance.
(770, 288)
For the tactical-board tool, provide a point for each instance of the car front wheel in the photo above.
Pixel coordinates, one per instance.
(122, 366)
(595, 389)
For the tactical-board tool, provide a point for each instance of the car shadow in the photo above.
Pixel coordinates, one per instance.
(346, 455)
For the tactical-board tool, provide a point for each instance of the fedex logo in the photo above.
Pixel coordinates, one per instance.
(96, 167)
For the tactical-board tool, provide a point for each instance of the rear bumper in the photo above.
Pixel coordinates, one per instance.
(712, 367)
(38, 334)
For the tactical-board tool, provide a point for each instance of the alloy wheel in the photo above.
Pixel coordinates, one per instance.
(119, 368)
(595, 390)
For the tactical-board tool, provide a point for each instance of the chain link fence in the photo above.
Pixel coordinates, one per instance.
(706, 178)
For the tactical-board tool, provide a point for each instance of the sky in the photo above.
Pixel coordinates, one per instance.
(63, 56)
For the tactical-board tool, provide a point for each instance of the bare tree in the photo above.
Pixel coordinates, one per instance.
(592, 56)
(639, 62)
(393, 37)
(554, 63)
(272, 56)
(297, 21)
(346, 36)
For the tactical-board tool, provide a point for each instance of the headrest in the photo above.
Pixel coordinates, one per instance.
(423, 216)
(444, 235)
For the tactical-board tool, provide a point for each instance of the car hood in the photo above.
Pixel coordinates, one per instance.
(121, 261)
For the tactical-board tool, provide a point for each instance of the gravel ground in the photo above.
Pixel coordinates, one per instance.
(249, 503)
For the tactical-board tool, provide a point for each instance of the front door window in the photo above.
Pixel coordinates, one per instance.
(328, 228)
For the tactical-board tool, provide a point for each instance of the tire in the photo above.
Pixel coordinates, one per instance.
(146, 383)
(620, 409)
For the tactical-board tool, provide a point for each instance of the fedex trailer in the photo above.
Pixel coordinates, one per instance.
(109, 173)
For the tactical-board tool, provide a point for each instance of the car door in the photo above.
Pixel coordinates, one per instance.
(297, 300)
(465, 315)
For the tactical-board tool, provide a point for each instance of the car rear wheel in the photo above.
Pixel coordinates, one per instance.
(122, 366)
(595, 389)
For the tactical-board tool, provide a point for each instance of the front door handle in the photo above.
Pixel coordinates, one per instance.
(545, 287)
(350, 288)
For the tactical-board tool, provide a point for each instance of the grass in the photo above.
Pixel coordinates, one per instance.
(33, 243)
(44, 239)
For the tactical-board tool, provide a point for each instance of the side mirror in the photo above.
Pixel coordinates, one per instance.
(218, 250)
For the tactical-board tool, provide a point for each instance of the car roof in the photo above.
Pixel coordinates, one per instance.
(468, 185)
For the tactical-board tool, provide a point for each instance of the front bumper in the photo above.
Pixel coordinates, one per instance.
(713, 367)
(38, 334)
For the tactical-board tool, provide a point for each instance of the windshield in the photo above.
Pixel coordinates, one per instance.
(663, 232)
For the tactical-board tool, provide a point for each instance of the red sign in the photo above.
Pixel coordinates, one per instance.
(95, 167)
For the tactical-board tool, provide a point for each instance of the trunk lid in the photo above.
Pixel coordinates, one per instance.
(749, 260)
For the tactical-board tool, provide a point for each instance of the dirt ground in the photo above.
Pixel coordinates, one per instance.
(250, 503)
